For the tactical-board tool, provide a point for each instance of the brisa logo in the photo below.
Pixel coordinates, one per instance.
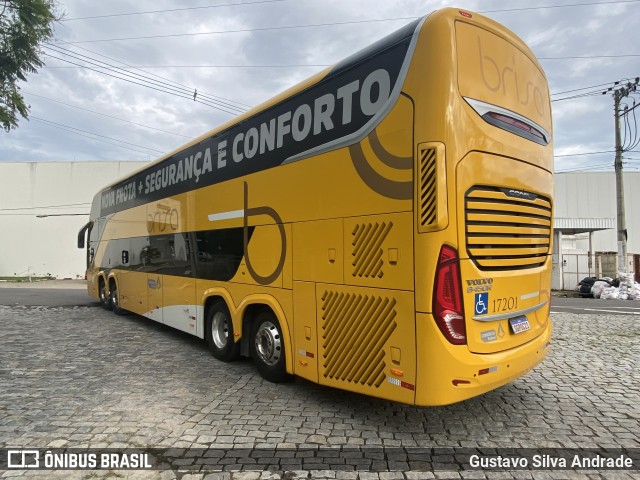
(498, 76)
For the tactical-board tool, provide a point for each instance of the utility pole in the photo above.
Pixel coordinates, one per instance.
(619, 93)
(622, 225)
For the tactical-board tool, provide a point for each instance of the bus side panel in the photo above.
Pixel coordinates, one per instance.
(179, 303)
(267, 259)
(318, 251)
(132, 287)
(366, 341)
(305, 348)
(379, 251)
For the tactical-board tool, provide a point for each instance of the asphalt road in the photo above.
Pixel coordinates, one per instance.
(77, 297)
(46, 297)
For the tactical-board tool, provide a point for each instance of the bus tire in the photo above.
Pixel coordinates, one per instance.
(267, 348)
(219, 332)
(115, 300)
(103, 295)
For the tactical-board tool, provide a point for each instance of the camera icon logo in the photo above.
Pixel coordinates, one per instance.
(23, 459)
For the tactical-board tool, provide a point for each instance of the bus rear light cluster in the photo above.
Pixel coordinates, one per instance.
(515, 123)
(510, 121)
(448, 308)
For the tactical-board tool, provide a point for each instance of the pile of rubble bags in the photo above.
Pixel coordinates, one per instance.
(621, 288)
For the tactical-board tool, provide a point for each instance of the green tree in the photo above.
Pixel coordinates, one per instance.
(24, 25)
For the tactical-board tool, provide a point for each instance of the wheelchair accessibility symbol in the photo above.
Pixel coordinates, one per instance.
(481, 303)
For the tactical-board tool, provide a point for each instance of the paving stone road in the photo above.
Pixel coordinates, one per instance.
(84, 377)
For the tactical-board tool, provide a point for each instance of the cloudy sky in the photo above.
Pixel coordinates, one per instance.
(120, 75)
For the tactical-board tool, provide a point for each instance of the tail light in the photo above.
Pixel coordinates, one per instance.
(448, 309)
(510, 121)
(516, 126)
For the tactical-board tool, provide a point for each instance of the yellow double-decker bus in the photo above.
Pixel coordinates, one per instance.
(384, 227)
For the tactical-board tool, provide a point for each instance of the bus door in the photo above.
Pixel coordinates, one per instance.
(170, 282)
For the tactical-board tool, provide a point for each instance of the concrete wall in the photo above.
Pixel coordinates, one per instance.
(38, 246)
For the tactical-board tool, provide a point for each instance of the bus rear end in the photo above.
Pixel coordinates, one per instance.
(484, 187)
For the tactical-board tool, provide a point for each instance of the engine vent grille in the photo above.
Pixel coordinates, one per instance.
(355, 329)
(507, 229)
(367, 252)
(428, 187)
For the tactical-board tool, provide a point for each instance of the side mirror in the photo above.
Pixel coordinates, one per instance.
(125, 256)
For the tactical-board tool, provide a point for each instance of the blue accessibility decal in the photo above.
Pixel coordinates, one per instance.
(481, 303)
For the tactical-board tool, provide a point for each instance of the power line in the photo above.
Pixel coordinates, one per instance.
(163, 89)
(242, 30)
(43, 215)
(582, 169)
(316, 65)
(557, 6)
(583, 153)
(587, 94)
(114, 68)
(543, 7)
(585, 88)
(202, 94)
(47, 206)
(105, 115)
(219, 66)
(596, 92)
(171, 10)
(315, 25)
(632, 108)
(77, 132)
(586, 57)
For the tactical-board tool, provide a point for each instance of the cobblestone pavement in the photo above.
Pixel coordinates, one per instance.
(83, 377)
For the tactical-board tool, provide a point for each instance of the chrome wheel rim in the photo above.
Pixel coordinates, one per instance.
(268, 343)
(103, 294)
(114, 297)
(220, 329)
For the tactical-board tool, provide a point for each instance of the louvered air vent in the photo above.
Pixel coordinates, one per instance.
(355, 329)
(427, 198)
(367, 252)
(507, 229)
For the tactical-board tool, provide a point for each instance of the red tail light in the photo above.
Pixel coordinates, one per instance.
(515, 123)
(448, 309)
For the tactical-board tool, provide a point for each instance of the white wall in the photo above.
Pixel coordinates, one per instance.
(593, 195)
(49, 245)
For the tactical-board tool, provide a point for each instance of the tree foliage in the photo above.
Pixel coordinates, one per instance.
(24, 25)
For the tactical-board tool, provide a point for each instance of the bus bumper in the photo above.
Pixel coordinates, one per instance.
(451, 373)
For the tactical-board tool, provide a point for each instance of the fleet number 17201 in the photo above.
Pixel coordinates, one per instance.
(505, 304)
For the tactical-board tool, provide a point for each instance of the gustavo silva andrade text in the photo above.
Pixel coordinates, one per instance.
(549, 461)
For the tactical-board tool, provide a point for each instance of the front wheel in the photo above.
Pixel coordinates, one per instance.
(219, 331)
(267, 348)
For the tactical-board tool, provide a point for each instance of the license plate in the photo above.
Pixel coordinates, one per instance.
(519, 324)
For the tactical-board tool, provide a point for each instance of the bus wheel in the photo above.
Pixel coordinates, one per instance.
(267, 348)
(219, 332)
(105, 299)
(115, 300)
